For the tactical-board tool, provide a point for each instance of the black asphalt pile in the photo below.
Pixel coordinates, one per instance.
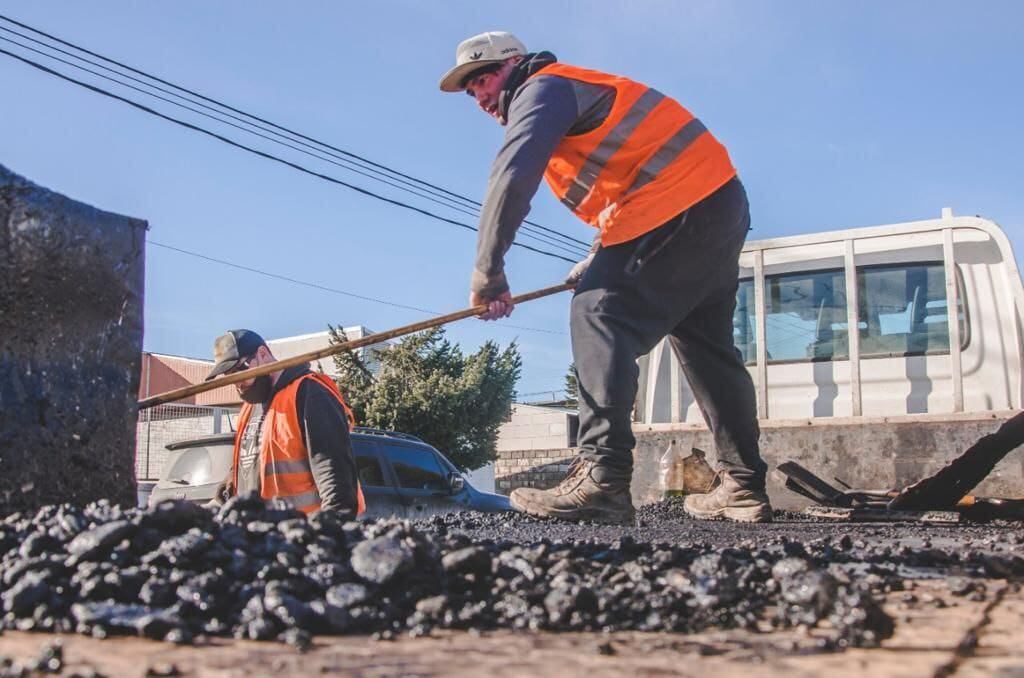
(50, 660)
(893, 550)
(177, 572)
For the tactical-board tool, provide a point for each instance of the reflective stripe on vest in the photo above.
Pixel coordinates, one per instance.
(285, 471)
(649, 160)
(282, 466)
(678, 143)
(613, 141)
(299, 501)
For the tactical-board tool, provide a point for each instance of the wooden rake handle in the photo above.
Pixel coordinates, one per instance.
(251, 373)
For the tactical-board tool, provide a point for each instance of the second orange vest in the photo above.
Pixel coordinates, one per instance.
(285, 472)
(648, 161)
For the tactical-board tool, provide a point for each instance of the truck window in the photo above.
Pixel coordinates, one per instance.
(368, 467)
(744, 322)
(902, 311)
(416, 468)
(805, 317)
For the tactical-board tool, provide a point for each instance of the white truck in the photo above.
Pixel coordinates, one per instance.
(934, 364)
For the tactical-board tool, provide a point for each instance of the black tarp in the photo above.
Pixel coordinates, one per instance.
(71, 294)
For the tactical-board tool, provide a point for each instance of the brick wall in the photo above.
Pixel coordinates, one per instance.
(531, 468)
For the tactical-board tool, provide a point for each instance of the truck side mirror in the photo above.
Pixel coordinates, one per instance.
(456, 483)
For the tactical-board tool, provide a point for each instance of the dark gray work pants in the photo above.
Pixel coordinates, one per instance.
(680, 281)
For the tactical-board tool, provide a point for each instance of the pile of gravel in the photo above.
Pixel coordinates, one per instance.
(177, 571)
(50, 660)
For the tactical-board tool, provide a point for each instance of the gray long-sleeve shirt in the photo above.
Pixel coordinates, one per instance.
(544, 110)
(325, 432)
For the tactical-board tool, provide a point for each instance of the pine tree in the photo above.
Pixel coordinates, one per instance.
(572, 387)
(427, 387)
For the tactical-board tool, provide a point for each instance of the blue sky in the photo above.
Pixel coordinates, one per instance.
(837, 114)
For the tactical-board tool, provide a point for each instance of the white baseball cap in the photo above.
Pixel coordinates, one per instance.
(480, 50)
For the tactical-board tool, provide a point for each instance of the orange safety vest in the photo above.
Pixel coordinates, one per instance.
(648, 161)
(285, 472)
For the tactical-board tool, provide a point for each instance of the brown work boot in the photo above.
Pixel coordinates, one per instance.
(588, 492)
(729, 500)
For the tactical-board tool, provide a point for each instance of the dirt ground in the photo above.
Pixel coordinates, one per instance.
(937, 634)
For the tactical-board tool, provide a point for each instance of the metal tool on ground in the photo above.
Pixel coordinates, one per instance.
(883, 515)
(804, 482)
(236, 377)
(833, 503)
(951, 484)
(877, 505)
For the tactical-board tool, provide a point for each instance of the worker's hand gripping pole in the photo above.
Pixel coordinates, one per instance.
(234, 378)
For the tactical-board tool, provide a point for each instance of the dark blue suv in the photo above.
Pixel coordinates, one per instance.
(401, 475)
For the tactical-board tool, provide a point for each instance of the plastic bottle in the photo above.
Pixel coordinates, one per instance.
(671, 472)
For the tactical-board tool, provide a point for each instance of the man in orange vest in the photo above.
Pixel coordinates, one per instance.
(671, 216)
(293, 440)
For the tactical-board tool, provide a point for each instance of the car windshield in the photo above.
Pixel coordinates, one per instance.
(193, 466)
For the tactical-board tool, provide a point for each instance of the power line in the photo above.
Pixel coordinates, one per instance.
(540, 237)
(247, 115)
(536, 393)
(345, 164)
(263, 154)
(285, 278)
(318, 286)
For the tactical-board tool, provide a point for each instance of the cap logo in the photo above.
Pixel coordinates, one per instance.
(476, 55)
(509, 49)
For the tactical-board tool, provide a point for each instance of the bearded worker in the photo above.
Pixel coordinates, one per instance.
(293, 441)
(671, 216)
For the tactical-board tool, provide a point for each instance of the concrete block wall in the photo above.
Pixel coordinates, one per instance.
(534, 428)
(871, 453)
(531, 468)
(868, 453)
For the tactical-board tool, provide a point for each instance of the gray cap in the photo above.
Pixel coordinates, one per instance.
(231, 348)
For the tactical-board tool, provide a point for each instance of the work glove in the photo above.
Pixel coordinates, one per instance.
(579, 269)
